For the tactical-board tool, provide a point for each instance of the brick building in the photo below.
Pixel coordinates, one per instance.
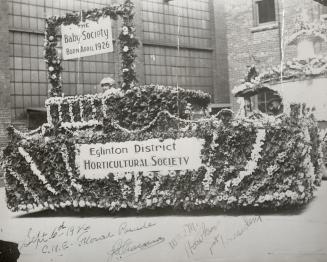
(257, 30)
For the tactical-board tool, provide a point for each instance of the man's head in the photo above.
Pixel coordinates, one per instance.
(107, 83)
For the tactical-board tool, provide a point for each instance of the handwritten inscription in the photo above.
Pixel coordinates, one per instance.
(225, 240)
(63, 237)
(203, 233)
(194, 236)
(127, 239)
(126, 228)
(124, 248)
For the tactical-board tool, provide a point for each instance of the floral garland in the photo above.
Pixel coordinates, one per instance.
(81, 109)
(80, 124)
(49, 118)
(252, 164)
(27, 188)
(28, 135)
(91, 123)
(64, 154)
(35, 170)
(137, 186)
(127, 42)
(59, 113)
(70, 110)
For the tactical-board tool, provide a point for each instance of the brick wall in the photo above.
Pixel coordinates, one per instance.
(251, 44)
(5, 117)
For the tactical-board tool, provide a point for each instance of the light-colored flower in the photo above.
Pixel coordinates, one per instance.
(125, 30)
(81, 203)
(301, 188)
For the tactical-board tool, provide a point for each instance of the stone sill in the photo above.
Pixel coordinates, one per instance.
(264, 27)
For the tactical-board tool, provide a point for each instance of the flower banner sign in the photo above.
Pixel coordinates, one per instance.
(87, 38)
(96, 161)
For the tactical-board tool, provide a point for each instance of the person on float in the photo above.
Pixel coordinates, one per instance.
(108, 84)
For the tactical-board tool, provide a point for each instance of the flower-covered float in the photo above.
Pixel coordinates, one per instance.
(137, 147)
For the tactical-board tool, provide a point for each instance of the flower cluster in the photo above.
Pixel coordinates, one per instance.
(127, 42)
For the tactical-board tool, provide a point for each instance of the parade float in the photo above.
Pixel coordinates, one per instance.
(137, 147)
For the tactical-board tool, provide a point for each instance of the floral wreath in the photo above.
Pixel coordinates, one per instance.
(127, 42)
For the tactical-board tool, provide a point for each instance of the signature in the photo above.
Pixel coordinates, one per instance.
(125, 228)
(223, 240)
(204, 232)
(196, 235)
(124, 248)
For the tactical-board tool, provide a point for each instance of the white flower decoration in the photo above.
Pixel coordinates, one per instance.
(125, 30)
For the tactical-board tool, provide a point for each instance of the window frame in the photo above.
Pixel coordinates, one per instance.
(256, 13)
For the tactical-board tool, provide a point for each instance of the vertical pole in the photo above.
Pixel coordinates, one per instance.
(140, 60)
(220, 91)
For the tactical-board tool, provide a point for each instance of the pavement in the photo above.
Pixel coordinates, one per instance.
(278, 236)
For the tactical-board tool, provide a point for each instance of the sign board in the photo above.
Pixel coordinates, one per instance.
(98, 160)
(87, 38)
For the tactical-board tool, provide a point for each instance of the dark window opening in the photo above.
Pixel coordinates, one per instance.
(270, 102)
(266, 11)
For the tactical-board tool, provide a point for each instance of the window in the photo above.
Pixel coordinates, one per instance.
(265, 10)
(270, 102)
